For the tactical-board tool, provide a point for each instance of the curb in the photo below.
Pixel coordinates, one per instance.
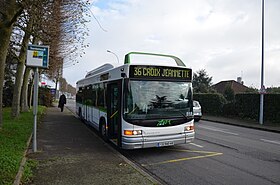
(133, 165)
(117, 153)
(22, 163)
(242, 125)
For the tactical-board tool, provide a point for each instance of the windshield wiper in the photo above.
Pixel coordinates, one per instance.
(186, 117)
(133, 110)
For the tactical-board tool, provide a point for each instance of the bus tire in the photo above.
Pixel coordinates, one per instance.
(80, 114)
(102, 131)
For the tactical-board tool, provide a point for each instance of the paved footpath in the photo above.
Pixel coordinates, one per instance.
(70, 153)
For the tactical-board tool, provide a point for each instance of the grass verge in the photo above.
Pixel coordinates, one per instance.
(13, 138)
(28, 170)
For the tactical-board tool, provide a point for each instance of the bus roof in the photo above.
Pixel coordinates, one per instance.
(114, 71)
(177, 60)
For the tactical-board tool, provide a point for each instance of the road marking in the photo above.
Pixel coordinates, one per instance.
(271, 141)
(199, 146)
(219, 130)
(208, 154)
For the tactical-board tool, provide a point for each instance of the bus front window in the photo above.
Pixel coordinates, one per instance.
(151, 100)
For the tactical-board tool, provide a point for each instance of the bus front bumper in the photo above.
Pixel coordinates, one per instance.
(156, 141)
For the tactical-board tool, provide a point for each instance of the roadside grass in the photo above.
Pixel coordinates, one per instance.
(13, 139)
(28, 170)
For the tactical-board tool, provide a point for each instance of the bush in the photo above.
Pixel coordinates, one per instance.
(45, 97)
(245, 105)
(272, 107)
(248, 106)
(211, 103)
(229, 109)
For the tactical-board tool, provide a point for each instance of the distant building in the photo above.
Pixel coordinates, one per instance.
(237, 87)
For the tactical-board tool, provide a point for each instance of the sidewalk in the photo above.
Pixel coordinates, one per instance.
(70, 153)
(243, 123)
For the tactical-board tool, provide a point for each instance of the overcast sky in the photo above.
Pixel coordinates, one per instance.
(221, 36)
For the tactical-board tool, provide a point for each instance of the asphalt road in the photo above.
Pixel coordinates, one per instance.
(220, 154)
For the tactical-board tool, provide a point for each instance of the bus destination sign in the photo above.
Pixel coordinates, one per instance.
(160, 72)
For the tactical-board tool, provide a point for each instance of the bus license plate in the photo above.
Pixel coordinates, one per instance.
(170, 143)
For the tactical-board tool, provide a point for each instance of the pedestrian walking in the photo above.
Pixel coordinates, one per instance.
(62, 101)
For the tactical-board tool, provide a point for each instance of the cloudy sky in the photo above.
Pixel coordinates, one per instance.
(221, 36)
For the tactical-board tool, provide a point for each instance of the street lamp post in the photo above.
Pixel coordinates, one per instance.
(114, 54)
(262, 90)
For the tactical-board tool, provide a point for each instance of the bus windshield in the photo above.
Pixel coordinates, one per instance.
(151, 100)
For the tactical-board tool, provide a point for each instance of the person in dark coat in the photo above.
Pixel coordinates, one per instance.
(62, 101)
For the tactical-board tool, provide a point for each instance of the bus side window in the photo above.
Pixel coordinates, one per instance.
(105, 95)
(100, 95)
(83, 95)
(86, 95)
(93, 95)
(79, 95)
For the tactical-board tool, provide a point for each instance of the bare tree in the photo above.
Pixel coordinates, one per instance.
(70, 89)
(32, 13)
(9, 12)
(68, 26)
(20, 70)
(63, 84)
(59, 23)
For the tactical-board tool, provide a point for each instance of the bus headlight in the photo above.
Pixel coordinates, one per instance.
(189, 127)
(132, 132)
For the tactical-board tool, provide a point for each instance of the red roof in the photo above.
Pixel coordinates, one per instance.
(236, 87)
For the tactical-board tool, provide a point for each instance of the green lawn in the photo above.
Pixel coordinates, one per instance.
(13, 138)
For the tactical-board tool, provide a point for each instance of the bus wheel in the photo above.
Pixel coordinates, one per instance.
(103, 131)
(80, 115)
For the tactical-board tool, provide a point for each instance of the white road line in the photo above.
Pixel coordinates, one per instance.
(219, 130)
(199, 146)
(271, 141)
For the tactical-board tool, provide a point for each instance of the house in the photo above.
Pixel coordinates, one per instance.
(237, 87)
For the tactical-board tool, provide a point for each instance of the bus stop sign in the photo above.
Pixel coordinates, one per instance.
(37, 56)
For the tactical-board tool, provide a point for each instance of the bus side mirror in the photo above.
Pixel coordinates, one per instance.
(123, 75)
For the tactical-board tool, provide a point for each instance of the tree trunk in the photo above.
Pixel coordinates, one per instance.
(10, 10)
(56, 83)
(17, 90)
(20, 71)
(24, 91)
(5, 34)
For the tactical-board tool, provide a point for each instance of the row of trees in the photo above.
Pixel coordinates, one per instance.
(61, 24)
(65, 87)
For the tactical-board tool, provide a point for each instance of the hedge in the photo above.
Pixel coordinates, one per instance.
(211, 103)
(245, 105)
(248, 106)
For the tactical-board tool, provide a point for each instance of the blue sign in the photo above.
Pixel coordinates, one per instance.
(53, 91)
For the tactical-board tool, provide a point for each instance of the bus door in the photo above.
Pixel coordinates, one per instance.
(114, 112)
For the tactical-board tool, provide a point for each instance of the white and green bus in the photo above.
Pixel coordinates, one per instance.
(139, 106)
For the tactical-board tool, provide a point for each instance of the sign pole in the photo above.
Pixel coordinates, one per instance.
(262, 90)
(35, 108)
(38, 57)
